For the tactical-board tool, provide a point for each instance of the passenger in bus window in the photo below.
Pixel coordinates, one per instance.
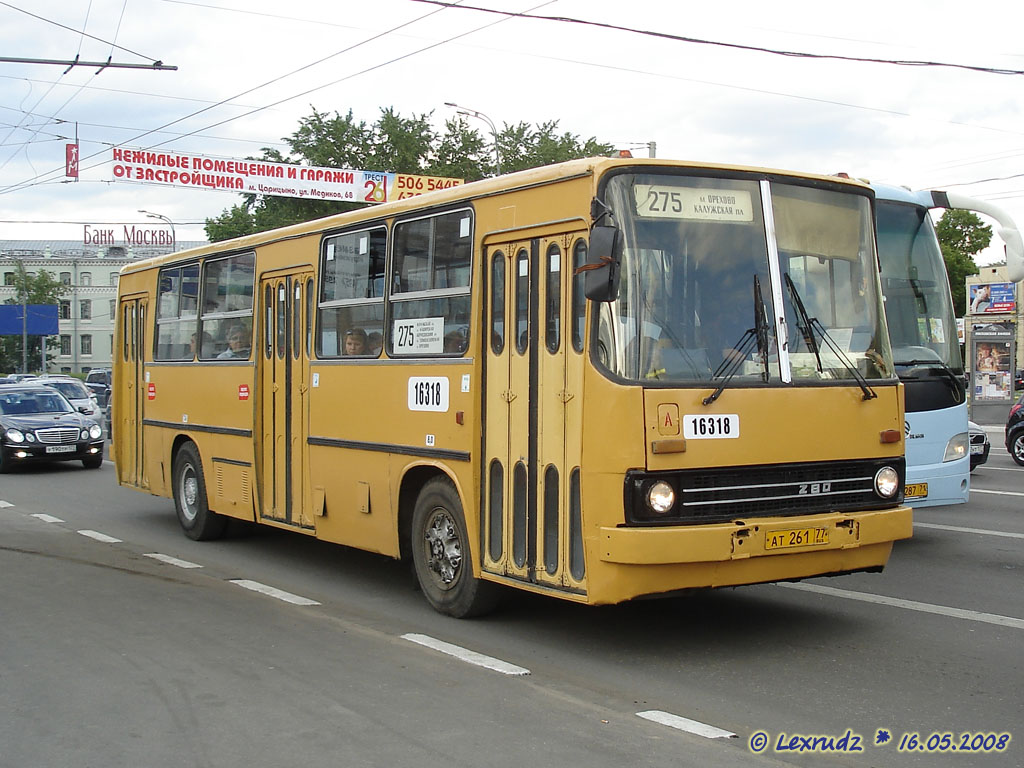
(355, 342)
(203, 348)
(455, 342)
(374, 343)
(238, 345)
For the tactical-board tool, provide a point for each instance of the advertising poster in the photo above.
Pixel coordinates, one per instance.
(988, 298)
(259, 177)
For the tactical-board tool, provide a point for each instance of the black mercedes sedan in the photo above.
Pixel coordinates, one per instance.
(38, 423)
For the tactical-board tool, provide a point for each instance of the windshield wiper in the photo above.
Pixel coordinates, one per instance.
(758, 334)
(761, 327)
(808, 325)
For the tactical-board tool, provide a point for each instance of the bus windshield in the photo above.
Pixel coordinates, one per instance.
(715, 271)
(918, 307)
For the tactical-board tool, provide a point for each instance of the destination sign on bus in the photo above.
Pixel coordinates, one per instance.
(661, 201)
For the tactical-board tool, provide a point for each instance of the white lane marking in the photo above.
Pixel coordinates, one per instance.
(263, 589)
(912, 605)
(47, 518)
(172, 560)
(998, 493)
(958, 529)
(685, 724)
(5, 504)
(100, 537)
(464, 654)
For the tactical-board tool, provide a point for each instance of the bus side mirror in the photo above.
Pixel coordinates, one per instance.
(604, 258)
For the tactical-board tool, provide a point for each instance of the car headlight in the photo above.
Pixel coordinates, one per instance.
(95, 431)
(887, 482)
(15, 435)
(956, 448)
(85, 434)
(661, 497)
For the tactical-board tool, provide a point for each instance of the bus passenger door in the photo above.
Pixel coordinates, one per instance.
(531, 437)
(130, 394)
(282, 396)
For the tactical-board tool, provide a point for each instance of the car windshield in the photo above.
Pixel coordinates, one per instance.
(72, 390)
(24, 403)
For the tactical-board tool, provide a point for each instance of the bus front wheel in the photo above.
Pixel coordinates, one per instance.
(194, 515)
(442, 557)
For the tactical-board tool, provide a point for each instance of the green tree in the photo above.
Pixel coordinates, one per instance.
(393, 144)
(962, 235)
(41, 288)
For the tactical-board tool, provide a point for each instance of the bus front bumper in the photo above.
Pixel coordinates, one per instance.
(767, 537)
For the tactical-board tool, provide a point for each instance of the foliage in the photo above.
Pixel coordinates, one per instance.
(961, 235)
(41, 288)
(394, 144)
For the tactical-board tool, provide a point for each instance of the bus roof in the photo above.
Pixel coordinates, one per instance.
(543, 175)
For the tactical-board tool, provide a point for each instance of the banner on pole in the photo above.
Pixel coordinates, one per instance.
(185, 170)
(71, 161)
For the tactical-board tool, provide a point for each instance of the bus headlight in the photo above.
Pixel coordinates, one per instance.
(15, 435)
(956, 448)
(661, 497)
(887, 482)
(95, 431)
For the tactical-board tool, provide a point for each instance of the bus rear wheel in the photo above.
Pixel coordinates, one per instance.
(194, 515)
(442, 557)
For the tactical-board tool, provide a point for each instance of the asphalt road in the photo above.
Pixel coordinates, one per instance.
(122, 643)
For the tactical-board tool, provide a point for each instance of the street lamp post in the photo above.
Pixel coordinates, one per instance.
(174, 240)
(481, 116)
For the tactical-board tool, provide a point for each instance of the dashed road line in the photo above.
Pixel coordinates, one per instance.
(172, 560)
(100, 537)
(47, 518)
(685, 724)
(912, 605)
(997, 493)
(5, 504)
(466, 655)
(958, 529)
(263, 589)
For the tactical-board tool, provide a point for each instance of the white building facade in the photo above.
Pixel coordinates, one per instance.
(88, 306)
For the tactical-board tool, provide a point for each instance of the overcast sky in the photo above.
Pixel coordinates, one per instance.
(248, 71)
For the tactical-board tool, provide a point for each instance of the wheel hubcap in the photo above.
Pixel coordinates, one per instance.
(189, 492)
(443, 548)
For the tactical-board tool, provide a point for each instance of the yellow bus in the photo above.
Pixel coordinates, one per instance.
(598, 380)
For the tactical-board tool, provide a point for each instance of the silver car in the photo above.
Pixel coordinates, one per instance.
(980, 445)
(77, 394)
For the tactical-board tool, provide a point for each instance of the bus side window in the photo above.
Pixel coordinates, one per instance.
(431, 274)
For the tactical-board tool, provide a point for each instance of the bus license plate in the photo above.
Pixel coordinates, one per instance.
(795, 537)
(61, 448)
(916, 491)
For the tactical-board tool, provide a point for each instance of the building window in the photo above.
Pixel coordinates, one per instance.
(65, 345)
(8, 278)
(86, 343)
(65, 369)
(113, 308)
(65, 278)
(85, 309)
(113, 278)
(65, 310)
(85, 278)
